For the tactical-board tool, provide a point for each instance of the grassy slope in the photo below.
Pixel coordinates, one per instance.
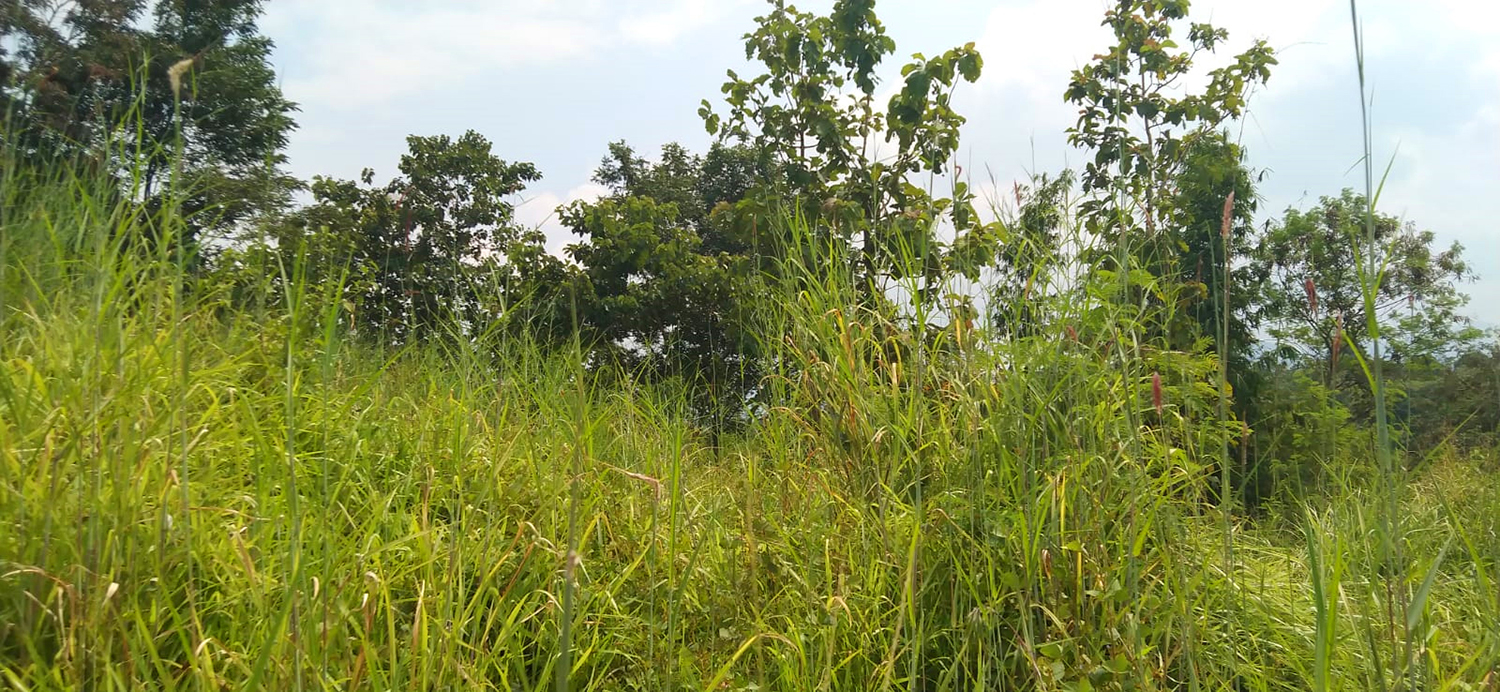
(195, 497)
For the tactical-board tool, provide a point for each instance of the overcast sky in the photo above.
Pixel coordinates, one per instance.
(553, 81)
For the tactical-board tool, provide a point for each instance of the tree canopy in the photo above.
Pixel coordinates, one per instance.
(671, 273)
(183, 91)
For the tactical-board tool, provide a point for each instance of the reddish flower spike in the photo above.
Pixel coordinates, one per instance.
(1156, 392)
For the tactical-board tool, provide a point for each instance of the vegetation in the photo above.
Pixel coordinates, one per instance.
(761, 427)
(165, 95)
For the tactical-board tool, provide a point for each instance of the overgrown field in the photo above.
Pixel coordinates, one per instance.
(781, 418)
(201, 494)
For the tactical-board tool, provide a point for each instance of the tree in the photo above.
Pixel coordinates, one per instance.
(667, 287)
(189, 102)
(1459, 402)
(698, 185)
(418, 246)
(1314, 303)
(1132, 104)
(1164, 184)
(812, 116)
(1167, 190)
(1167, 195)
(1212, 202)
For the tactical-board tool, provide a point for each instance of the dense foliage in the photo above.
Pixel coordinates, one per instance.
(777, 417)
(176, 94)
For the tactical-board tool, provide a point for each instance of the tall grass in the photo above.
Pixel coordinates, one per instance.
(200, 496)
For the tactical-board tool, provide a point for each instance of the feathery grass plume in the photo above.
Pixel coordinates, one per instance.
(176, 72)
(1228, 216)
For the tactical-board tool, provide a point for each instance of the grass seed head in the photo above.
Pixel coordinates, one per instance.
(1228, 216)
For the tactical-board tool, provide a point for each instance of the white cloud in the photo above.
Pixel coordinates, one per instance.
(1477, 16)
(678, 19)
(540, 211)
(1033, 47)
(357, 54)
(1444, 181)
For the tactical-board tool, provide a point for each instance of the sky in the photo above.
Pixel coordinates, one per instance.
(553, 82)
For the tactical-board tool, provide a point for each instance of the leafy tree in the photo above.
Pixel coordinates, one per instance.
(1314, 304)
(418, 246)
(698, 185)
(1165, 185)
(1213, 202)
(1139, 121)
(1436, 370)
(178, 91)
(1297, 428)
(665, 285)
(1460, 402)
(1168, 198)
(813, 117)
